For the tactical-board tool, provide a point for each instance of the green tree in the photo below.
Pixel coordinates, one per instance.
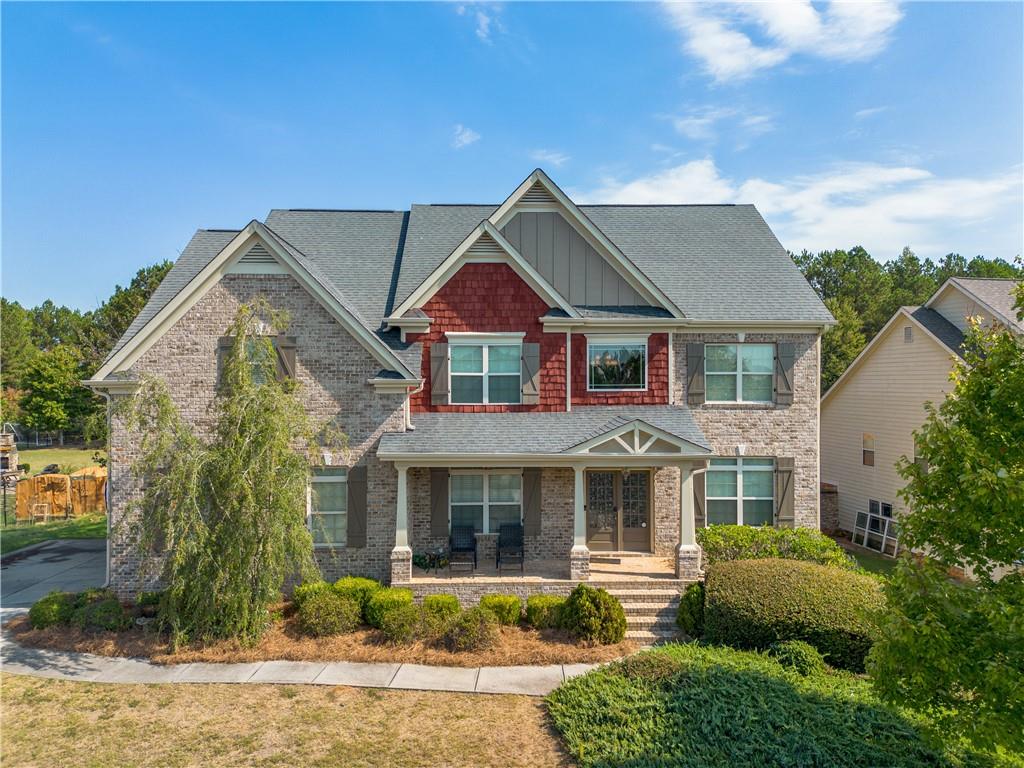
(913, 280)
(17, 347)
(228, 511)
(111, 320)
(841, 343)
(53, 400)
(956, 650)
(851, 275)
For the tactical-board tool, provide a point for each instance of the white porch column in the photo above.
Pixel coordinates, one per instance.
(401, 555)
(688, 554)
(579, 557)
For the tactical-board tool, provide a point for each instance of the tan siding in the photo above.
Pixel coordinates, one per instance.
(956, 306)
(884, 397)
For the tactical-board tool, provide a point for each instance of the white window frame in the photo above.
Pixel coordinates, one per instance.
(739, 371)
(486, 473)
(486, 341)
(314, 478)
(634, 340)
(739, 498)
(886, 528)
(867, 439)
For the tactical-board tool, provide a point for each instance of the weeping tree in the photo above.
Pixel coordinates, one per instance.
(226, 514)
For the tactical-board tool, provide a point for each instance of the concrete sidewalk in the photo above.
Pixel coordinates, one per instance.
(84, 667)
(69, 565)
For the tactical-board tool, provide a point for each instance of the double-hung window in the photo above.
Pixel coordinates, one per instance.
(740, 492)
(485, 370)
(328, 506)
(616, 363)
(486, 500)
(739, 372)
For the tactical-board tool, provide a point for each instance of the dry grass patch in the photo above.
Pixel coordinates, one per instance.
(56, 722)
(518, 645)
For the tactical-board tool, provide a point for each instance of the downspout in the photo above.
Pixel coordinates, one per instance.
(106, 491)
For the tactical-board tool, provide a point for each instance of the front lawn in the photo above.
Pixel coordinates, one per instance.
(879, 565)
(14, 537)
(693, 705)
(55, 722)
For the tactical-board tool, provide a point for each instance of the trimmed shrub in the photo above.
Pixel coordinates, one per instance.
(101, 613)
(401, 623)
(475, 629)
(754, 603)
(594, 616)
(357, 588)
(442, 605)
(149, 599)
(747, 542)
(324, 612)
(544, 611)
(508, 608)
(383, 600)
(798, 655)
(304, 591)
(690, 614)
(56, 608)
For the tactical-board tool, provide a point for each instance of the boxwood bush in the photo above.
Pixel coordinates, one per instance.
(754, 603)
(690, 614)
(544, 611)
(97, 609)
(475, 629)
(307, 589)
(324, 612)
(442, 605)
(797, 655)
(508, 608)
(382, 600)
(747, 542)
(401, 623)
(54, 609)
(357, 588)
(594, 616)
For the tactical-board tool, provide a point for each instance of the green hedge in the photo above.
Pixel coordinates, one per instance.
(508, 608)
(93, 609)
(358, 589)
(754, 603)
(797, 655)
(721, 543)
(475, 629)
(692, 706)
(401, 623)
(690, 614)
(324, 612)
(594, 616)
(306, 590)
(54, 609)
(442, 605)
(544, 611)
(384, 600)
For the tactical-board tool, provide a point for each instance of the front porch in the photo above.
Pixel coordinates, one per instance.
(604, 567)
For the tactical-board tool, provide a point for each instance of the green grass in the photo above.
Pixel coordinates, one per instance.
(693, 705)
(873, 563)
(14, 537)
(75, 458)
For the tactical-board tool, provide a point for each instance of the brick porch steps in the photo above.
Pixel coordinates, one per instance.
(650, 612)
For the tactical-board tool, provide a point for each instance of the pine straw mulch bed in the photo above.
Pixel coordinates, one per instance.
(283, 641)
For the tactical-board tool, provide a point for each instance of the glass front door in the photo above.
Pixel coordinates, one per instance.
(636, 532)
(619, 510)
(602, 512)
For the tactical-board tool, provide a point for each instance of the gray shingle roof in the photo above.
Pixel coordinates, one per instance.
(532, 432)
(938, 326)
(997, 294)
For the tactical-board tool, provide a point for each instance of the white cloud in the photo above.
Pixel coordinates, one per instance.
(721, 35)
(549, 156)
(862, 114)
(485, 16)
(705, 123)
(882, 207)
(464, 136)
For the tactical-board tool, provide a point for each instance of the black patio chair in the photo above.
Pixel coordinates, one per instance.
(510, 547)
(462, 548)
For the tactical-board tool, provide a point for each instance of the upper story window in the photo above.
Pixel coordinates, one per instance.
(739, 372)
(867, 450)
(328, 506)
(485, 369)
(616, 363)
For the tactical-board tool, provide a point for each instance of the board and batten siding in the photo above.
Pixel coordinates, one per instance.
(884, 397)
(566, 260)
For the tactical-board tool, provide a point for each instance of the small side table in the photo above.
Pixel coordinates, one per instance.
(434, 559)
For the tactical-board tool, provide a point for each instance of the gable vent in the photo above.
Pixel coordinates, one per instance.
(258, 254)
(486, 247)
(537, 194)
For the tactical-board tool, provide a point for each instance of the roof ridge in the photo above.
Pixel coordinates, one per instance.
(339, 210)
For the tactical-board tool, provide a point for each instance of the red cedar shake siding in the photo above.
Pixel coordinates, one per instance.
(657, 376)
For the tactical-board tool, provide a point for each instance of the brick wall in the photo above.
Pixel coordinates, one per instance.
(492, 298)
(657, 376)
(332, 370)
(766, 430)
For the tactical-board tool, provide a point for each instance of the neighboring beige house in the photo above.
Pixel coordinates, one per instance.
(869, 415)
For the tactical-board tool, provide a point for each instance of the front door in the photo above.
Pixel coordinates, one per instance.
(619, 510)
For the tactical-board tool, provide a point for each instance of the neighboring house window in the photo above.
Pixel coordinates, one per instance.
(616, 363)
(876, 529)
(868, 450)
(328, 506)
(486, 500)
(740, 492)
(739, 372)
(485, 371)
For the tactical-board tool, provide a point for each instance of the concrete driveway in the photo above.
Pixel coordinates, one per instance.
(69, 565)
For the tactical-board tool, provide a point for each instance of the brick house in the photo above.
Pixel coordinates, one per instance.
(610, 376)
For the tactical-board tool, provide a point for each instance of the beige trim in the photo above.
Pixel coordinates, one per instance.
(211, 274)
(632, 446)
(393, 385)
(587, 460)
(953, 282)
(111, 386)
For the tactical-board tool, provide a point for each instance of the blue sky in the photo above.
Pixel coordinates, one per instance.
(126, 127)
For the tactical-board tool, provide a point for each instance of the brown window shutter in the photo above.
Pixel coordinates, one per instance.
(531, 501)
(223, 350)
(285, 348)
(439, 503)
(784, 515)
(530, 373)
(695, 373)
(699, 515)
(785, 356)
(439, 386)
(356, 481)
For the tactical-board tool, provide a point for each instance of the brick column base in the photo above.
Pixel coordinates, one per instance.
(579, 564)
(401, 565)
(688, 562)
